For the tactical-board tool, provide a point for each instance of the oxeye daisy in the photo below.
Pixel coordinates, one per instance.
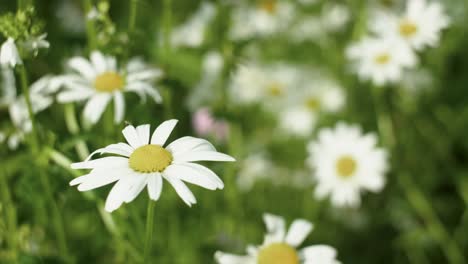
(280, 246)
(100, 80)
(345, 162)
(419, 26)
(381, 60)
(145, 162)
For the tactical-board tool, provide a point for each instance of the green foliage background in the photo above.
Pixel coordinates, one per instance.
(420, 217)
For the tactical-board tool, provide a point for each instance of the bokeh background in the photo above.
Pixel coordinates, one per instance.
(420, 216)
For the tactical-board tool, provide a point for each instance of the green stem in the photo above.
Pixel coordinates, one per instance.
(74, 129)
(132, 16)
(90, 29)
(384, 122)
(149, 230)
(10, 216)
(27, 97)
(167, 27)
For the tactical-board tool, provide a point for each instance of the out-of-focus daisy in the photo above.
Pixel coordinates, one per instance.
(335, 16)
(9, 55)
(100, 80)
(254, 167)
(144, 162)
(280, 246)
(265, 18)
(345, 162)
(419, 26)
(205, 124)
(381, 60)
(315, 97)
(192, 32)
(35, 43)
(270, 85)
(7, 86)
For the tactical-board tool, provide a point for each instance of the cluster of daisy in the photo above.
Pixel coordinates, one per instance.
(390, 49)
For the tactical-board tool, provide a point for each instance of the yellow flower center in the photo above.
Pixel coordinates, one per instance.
(278, 253)
(150, 158)
(275, 89)
(108, 82)
(407, 28)
(313, 103)
(346, 166)
(382, 58)
(268, 6)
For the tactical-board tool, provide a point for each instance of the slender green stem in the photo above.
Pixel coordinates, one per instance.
(27, 97)
(74, 129)
(132, 16)
(149, 230)
(167, 27)
(10, 216)
(90, 29)
(384, 122)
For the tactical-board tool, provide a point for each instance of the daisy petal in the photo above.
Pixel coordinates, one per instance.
(182, 190)
(190, 175)
(319, 254)
(131, 136)
(298, 232)
(138, 184)
(82, 66)
(74, 95)
(155, 184)
(275, 227)
(119, 107)
(224, 258)
(94, 180)
(187, 144)
(95, 107)
(99, 61)
(117, 194)
(207, 172)
(143, 132)
(122, 149)
(107, 162)
(162, 132)
(202, 156)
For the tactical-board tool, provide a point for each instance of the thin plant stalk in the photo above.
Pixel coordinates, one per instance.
(90, 29)
(10, 212)
(73, 127)
(149, 230)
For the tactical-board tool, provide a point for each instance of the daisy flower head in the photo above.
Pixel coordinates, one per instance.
(420, 25)
(264, 18)
(345, 162)
(145, 162)
(280, 246)
(99, 80)
(381, 60)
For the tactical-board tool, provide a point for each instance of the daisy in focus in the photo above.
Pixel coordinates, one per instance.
(280, 246)
(144, 162)
(419, 26)
(381, 60)
(345, 162)
(99, 80)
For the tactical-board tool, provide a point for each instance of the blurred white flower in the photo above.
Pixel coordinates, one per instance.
(144, 162)
(35, 43)
(192, 32)
(70, 15)
(345, 162)
(100, 80)
(381, 60)
(204, 92)
(9, 55)
(317, 95)
(254, 167)
(268, 85)
(309, 28)
(280, 246)
(267, 17)
(335, 16)
(419, 26)
(7, 86)
(205, 124)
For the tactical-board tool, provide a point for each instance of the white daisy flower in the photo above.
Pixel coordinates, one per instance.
(345, 162)
(192, 32)
(9, 55)
(269, 85)
(419, 26)
(254, 167)
(100, 80)
(267, 17)
(144, 162)
(280, 246)
(381, 60)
